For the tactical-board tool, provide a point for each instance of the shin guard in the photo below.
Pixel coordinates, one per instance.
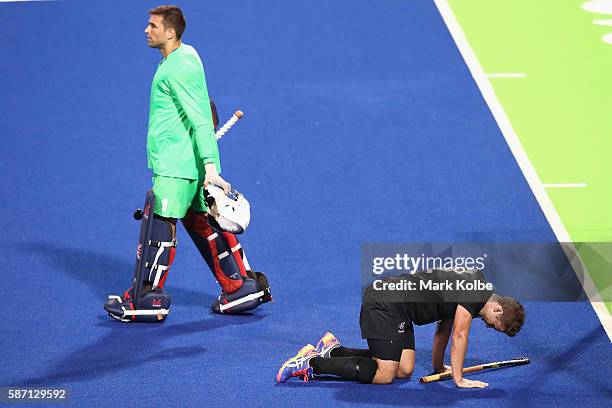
(222, 256)
(146, 301)
(241, 288)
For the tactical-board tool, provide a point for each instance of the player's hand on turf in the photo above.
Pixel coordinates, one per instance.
(465, 383)
(212, 177)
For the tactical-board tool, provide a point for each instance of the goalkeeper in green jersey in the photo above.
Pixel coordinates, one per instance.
(182, 152)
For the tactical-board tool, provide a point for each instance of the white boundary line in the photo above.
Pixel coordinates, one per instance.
(507, 75)
(603, 22)
(565, 185)
(521, 157)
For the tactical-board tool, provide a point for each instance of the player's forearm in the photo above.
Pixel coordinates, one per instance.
(459, 347)
(209, 155)
(199, 116)
(210, 168)
(206, 143)
(440, 342)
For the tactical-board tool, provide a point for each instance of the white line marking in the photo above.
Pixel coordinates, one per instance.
(598, 6)
(521, 157)
(565, 185)
(603, 22)
(507, 75)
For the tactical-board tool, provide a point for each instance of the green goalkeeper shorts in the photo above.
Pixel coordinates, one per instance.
(174, 196)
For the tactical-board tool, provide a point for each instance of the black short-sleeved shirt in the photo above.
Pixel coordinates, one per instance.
(433, 295)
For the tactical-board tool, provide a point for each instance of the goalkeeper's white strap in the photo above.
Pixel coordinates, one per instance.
(142, 312)
(240, 301)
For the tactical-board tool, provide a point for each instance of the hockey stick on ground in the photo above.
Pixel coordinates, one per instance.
(497, 364)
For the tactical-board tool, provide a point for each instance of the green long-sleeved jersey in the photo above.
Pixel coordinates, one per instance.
(181, 137)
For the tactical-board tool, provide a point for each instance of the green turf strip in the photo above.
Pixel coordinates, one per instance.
(561, 111)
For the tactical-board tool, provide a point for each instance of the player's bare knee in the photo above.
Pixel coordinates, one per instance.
(405, 369)
(384, 377)
(406, 365)
(386, 372)
(405, 372)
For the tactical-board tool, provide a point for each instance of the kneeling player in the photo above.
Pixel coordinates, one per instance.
(386, 323)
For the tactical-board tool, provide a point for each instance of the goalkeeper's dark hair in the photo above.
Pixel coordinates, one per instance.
(513, 316)
(173, 18)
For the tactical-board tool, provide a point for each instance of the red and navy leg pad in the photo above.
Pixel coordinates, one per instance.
(221, 251)
(253, 293)
(146, 301)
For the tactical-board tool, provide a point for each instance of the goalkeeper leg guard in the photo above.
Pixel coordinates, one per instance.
(241, 288)
(146, 301)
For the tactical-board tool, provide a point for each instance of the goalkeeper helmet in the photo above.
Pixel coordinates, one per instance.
(228, 212)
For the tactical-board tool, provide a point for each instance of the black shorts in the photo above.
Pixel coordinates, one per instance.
(389, 349)
(386, 330)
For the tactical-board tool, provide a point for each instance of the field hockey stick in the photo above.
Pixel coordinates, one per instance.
(473, 369)
(227, 126)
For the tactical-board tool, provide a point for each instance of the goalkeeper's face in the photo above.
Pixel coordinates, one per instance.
(157, 35)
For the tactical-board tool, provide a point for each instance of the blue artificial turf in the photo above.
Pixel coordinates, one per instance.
(362, 125)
